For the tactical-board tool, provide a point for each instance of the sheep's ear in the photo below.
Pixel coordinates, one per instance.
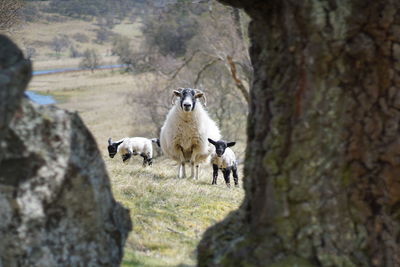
(230, 144)
(175, 93)
(211, 141)
(199, 94)
(109, 141)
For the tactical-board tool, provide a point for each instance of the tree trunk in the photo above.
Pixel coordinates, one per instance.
(322, 171)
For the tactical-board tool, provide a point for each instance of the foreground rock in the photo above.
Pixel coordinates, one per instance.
(56, 204)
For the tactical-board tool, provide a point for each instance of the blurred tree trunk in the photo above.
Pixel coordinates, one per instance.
(323, 157)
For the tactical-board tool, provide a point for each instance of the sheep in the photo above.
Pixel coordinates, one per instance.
(224, 158)
(132, 146)
(185, 131)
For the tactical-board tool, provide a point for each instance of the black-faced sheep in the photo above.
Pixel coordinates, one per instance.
(185, 131)
(132, 146)
(224, 159)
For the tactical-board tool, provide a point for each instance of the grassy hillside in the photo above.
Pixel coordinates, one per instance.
(169, 215)
(39, 33)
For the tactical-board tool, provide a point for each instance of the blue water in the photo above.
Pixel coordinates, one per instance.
(42, 72)
(40, 99)
(47, 100)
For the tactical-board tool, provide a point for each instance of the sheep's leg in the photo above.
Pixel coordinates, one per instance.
(235, 176)
(182, 171)
(227, 173)
(192, 169)
(215, 174)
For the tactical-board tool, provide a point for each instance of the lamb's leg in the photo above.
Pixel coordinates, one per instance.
(126, 157)
(197, 171)
(227, 173)
(145, 159)
(235, 176)
(215, 174)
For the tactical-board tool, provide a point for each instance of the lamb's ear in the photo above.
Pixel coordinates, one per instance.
(109, 141)
(211, 141)
(230, 144)
(117, 144)
(177, 93)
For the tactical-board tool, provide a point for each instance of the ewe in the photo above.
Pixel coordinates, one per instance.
(185, 131)
(132, 146)
(223, 158)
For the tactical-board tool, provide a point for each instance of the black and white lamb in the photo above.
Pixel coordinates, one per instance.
(224, 159)
(186, 129)
(132, 146)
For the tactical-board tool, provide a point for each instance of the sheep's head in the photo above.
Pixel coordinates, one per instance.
(220, 146)
(112, 147)
(188, 98)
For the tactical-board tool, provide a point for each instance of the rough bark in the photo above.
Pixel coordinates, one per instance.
(56, 204)
(322, 162)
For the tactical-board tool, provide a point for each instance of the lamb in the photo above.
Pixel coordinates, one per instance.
(224, 158)
(185, 131)
(132, 146)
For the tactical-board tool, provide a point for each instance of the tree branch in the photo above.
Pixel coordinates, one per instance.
(204, 68)
(238, 82)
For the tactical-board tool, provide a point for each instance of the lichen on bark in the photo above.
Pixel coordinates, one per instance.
(322, 154)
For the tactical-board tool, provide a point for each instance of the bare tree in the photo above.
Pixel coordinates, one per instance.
(59, 43)
(30, 51)
(223, 40)
(90, 60)
(9, 13)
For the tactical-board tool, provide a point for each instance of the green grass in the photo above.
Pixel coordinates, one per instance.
(169, 215)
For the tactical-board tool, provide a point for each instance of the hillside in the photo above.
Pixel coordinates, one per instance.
(42, 35)
(169, 215)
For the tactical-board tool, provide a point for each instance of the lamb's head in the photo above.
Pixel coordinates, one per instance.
(157, 141)
(220, 146)
(113, 147)
(188, 98)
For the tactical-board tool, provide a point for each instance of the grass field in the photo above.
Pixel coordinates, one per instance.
(169, 215)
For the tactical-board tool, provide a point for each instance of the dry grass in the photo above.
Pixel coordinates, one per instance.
(169, 215)
(39, 35)
(130, 30)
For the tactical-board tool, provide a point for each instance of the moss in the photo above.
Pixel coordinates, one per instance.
(292, 261)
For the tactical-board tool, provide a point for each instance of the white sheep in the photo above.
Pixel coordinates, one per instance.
(224, 159)
(132, 146)
(185, 131)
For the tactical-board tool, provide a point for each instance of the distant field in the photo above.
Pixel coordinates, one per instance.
(81, 34)
(169, 215)
(51, 64)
